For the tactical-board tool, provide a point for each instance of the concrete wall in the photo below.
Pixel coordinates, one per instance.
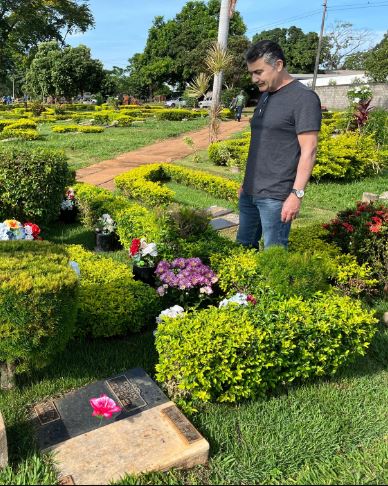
(334, 97)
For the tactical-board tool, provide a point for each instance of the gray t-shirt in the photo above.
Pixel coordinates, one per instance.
(274, 150)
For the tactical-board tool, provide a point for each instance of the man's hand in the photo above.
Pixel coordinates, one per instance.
(239, 191)
(291, 207)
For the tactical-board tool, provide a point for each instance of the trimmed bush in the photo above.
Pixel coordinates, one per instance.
(32, 183)
(177, 114)
(111, 303)
(143, 183)
(238, 352)
(22, 124)
(64, 128)
(346, 156)
(77, 128)
(38, 296)
(93, 202)
(287, 274)
(5, 123)
(26, 134)
(90, 129)
(140, 222)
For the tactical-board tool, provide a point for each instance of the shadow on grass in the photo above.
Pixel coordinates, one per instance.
(70, 234)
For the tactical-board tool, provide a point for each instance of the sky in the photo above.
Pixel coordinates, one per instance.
(122, 26)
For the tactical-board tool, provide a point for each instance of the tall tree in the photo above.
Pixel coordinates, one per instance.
(343, 41)
(64, 72)
(26, 23)
(376, 63)
(299, 48)
(182, 44)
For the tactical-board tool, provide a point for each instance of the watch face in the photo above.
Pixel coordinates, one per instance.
(298, 192)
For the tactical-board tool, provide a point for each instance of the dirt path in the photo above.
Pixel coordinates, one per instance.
(103, 173)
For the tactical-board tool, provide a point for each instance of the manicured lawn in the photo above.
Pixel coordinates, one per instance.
(328, 431)
(84, 149)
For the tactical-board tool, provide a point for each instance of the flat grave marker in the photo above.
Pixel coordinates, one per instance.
(149, 434)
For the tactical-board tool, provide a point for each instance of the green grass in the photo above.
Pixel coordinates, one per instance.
(188, 196)
(84, 149)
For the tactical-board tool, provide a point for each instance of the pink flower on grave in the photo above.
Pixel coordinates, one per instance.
(104, 407)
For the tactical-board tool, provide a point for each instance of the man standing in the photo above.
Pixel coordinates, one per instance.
(284, 137)
(239, 105)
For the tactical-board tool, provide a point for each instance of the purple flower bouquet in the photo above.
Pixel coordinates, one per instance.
(186, 279)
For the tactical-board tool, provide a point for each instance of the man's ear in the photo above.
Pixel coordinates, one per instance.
(279, 65)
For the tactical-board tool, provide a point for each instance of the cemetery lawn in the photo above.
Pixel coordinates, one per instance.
(327, 431)
(84, 149)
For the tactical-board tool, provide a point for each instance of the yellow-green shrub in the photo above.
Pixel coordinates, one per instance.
(215, 185)
(5, 123)
(38, 302)
(21, 124)
(346, 156)
(177, 114)
(143, 184)
(32, 182)
(93, 202)
(65, 128)
(287, 274)
(111, 303)
(27, 134)
(237, 352)
(139, 222)
(90, 129)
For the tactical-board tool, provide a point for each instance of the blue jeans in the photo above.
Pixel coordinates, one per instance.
(261, 216)
(238, 113)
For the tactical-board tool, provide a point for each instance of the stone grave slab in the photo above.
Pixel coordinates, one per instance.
(3, 444)
(226, 221)
(216, 211)
(149, 434)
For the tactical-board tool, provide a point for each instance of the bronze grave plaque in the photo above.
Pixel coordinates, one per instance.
(182, 424)
(127, 393)
(46, 412)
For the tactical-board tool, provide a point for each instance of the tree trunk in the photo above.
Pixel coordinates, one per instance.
(223, 32)
(7, 376)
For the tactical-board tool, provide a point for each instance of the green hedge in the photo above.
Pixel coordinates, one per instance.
(286, 273)
(177, 114)
(239, 352)
(93, 202)
(38, 302)
(143, 183)
(111, 303)
(32, 183)
(22, 134)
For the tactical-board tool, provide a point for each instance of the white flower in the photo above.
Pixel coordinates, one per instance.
(3, 232)
(240, 299)
(28, 233)
(148, 249)
(174, 311)
(356, 100)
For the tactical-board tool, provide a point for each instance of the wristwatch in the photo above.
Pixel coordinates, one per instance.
(299, 193)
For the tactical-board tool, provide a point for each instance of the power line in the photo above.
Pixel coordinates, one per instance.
(316, 12)
(289, 19)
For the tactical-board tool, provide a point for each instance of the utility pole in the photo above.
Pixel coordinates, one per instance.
(226, 11)
(319, 44)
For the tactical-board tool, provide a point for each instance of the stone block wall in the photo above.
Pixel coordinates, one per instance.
(334, 97)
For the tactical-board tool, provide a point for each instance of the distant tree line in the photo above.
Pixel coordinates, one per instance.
(34, 54)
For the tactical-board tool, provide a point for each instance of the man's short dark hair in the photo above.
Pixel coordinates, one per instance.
(268, 50)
